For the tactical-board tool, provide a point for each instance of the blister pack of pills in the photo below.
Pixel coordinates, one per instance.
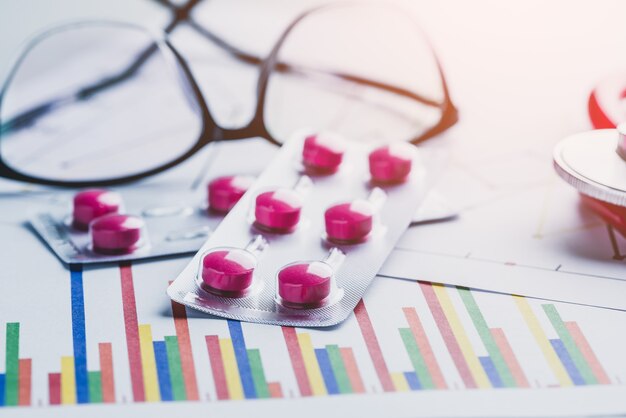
(101, 226)
(303, 244)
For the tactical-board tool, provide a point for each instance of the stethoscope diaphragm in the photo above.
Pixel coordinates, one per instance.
(594, 162)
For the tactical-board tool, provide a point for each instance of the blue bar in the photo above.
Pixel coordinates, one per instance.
(243, 363)
(2, 379)
(412, 380)
(567, 361)
(163, 370)
(78, 334)
(492, 372)
(327, 371)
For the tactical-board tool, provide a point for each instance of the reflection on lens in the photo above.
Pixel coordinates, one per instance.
(76, 109)
(331, 52)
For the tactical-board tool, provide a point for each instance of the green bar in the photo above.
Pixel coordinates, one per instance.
(486, 337)
(258, 375)
(12, 363)
(179, 391)
(339, 369)
(416, 358)
(570, 345)
(95, 387)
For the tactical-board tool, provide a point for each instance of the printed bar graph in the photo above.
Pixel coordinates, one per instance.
(132, 332)
(499, 374)
(571, 347)
(68, 381)
(432, 376)
(542, 340)
(78, 334)
(373, 347)
(11, 376)
(582, 343)
(16, 381)
(297, 361)
(349, 362)
(330, 370)
(54, 388)
(25, 381)
(237, 370)
(510, 358)
(339, 369)
(187, 365)
(258, 374)
(95, 387)
(217, 367)
(473, 362)
(570, 356)
(106, 372)
(161, 370)
(175, 368)
(449, 338)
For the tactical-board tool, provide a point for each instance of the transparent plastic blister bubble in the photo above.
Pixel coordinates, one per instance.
(325, 235)
(101, 226)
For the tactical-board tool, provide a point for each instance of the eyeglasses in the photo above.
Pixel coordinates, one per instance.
(105, 103)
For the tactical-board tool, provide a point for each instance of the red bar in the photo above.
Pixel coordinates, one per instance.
(54, 388)
(448, 335)
(425, 349)
(276, 391)
(186, 355)
(352, 369)
(509, 357)
(25, 373)
(371, 341)
(297, 363)
(588, 354)
(132, 332)
(106, 372)
(217, 367)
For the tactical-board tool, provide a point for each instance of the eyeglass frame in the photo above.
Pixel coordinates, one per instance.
(210, 130)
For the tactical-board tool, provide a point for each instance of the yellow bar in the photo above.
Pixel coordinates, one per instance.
(457, 328)
(542, 341)
(148, 364)
(68, 381)
(310, 364)
(400, 383)
(233, 380)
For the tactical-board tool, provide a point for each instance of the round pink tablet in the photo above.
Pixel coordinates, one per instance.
(278, 211)
(305, 284)
(349, 222)
(225, 192)
(228, 270)
(93, 203)
(116, 234)
(322, 154)
(391, 163)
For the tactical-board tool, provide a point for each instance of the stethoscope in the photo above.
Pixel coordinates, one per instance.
(594, 162)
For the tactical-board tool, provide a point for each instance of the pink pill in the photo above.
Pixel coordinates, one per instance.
(225, 192)
(305, 284)
(116, 234)
(278, 211)
(322, 154)
(349, 222)
(93, 203)
(391, 163)
(228, 270)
